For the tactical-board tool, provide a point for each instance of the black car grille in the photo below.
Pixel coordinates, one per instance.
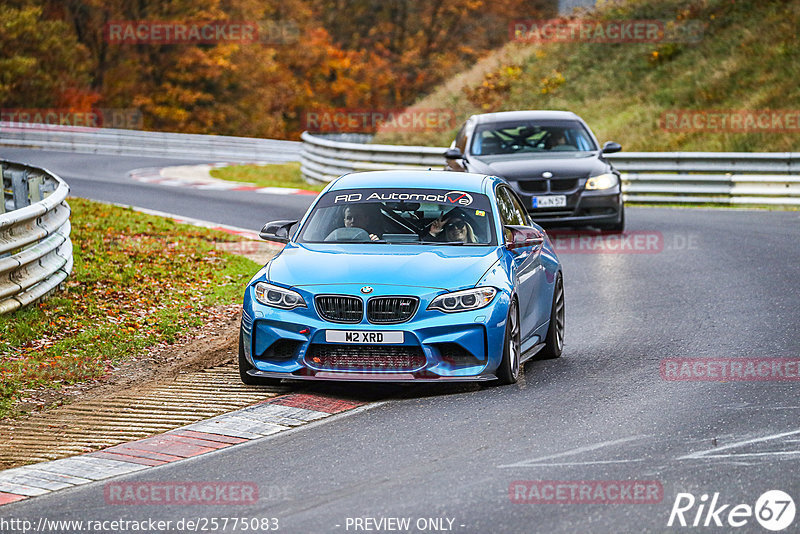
(388, 310)
(552, 185)
(567, 184)
(340, 308)
(283, 349)
(366, 357)
(533, 186)
(455, 354)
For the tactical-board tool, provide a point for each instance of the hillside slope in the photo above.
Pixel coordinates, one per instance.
(746, 58)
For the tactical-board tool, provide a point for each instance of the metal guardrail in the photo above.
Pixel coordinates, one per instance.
(650, 177)
(35, 249)
(140, 143)
(737, 178)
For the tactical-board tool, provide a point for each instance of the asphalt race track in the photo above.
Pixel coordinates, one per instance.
(106, 178)
(715, 284)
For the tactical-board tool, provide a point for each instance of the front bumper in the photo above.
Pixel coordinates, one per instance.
(436, 346)
(602, 206)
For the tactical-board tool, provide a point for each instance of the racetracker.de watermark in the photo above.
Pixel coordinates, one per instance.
(585, 492)
(160, 32)
(127, 118)
(636, 242)
(604, 31)
(730, 369)
(371, 120)
(180, 493)
(731, 121)
(629, 242)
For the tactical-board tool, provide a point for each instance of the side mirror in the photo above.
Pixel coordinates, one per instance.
(276, 231)
(453, 153)
(610, 147)
(522, 237)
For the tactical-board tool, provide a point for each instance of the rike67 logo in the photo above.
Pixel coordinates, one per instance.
(774, 510)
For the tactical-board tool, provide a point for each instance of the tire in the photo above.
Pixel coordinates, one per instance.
(554, 341)
(617, 227)
(245, 366)
(508, 371)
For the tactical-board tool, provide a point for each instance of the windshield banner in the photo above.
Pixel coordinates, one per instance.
(455, 198)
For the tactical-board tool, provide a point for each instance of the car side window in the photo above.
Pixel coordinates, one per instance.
(522, 213)
(461, 138)
(509, 208)
(509, 214)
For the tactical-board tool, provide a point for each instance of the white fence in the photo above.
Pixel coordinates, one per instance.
(140, 143)
(35, 249)
(651, 177)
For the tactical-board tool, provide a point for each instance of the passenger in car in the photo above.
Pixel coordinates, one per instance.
(458, 229)
(451, 228)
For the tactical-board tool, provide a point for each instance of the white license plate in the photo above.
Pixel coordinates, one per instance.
(552, 201)
(362, 336)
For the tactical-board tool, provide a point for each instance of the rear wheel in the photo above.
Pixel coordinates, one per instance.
(245, 366)
(554, 341)
(508, 371)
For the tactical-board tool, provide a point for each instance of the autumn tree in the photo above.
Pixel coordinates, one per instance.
(42, 64)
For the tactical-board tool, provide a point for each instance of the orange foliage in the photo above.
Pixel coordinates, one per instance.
(312, 55)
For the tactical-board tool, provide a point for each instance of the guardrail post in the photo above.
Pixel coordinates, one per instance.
(46, 189)
(19, 188)
(2, 190)
(35, 188)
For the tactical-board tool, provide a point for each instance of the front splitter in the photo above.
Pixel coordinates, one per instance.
(370, 377)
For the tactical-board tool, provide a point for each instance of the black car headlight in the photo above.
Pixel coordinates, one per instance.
(602, 181)
(465, 300)
(278, 297)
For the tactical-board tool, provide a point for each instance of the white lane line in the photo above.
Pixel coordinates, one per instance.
(579, 450)
(590, 462)
(716, 450)
(752, 454)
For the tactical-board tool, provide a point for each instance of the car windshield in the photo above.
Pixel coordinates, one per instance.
(538, 137)
(400, 216)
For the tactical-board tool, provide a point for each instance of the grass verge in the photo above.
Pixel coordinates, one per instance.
(138, 280)
(736, 56)
(278, 175)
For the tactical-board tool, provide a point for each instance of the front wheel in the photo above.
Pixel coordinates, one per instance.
(617, 227)
(245, 366)
(508, 371)
(554, 341)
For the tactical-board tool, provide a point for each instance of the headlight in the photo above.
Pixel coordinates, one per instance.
(601, 181)
(468, 299)
(278, 297)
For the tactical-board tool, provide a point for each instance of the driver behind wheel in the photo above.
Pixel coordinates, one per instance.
(364, 216)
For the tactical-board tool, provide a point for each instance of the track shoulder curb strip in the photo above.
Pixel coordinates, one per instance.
(266, 418)
(155, 175)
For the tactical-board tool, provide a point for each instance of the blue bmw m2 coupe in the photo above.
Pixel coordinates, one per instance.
(410, 276)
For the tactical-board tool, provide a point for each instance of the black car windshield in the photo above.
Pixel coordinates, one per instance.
(535, 137)
(401, 216)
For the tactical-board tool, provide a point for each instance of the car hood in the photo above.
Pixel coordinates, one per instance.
(522, 166)
(437, 267)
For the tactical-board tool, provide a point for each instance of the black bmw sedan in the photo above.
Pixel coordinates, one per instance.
(551, 158)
